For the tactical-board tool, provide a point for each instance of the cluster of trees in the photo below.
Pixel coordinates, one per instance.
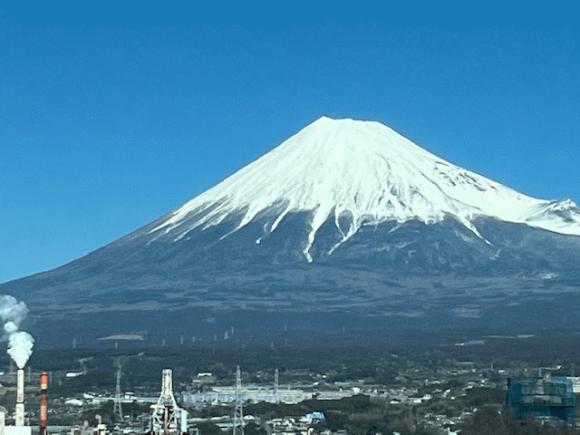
(490, 421)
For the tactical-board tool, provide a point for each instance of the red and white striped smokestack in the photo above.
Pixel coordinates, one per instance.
(19, 415)
(44, 382)
(43, 412)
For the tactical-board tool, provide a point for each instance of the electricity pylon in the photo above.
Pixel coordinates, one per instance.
(238, 427)
(118, 407)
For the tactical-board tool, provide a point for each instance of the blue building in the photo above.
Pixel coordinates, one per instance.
(550, 398)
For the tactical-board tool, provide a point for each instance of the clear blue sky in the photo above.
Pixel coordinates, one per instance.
(113, 113)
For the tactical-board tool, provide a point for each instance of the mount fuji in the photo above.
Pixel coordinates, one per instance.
(360, 173)
(345, 216)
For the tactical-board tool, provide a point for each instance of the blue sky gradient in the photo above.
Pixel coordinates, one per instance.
(113, 113)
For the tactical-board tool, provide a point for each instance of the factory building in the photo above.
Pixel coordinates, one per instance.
(166, 417)
(227, 395)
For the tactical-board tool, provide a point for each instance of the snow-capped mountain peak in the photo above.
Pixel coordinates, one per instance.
(368, 173)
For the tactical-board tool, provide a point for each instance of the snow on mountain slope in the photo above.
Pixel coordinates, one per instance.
(369, 173)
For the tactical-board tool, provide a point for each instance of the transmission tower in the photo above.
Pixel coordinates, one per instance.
(118, 407)
(238, 428)
(276, 385)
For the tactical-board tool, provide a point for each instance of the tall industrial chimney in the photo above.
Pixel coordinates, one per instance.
(2, 420)
(19, 416)
(43, 412)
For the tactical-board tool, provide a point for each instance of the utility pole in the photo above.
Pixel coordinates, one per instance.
(238, 428)
(118, 408)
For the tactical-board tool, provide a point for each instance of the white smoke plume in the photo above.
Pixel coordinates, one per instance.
(20, 343)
